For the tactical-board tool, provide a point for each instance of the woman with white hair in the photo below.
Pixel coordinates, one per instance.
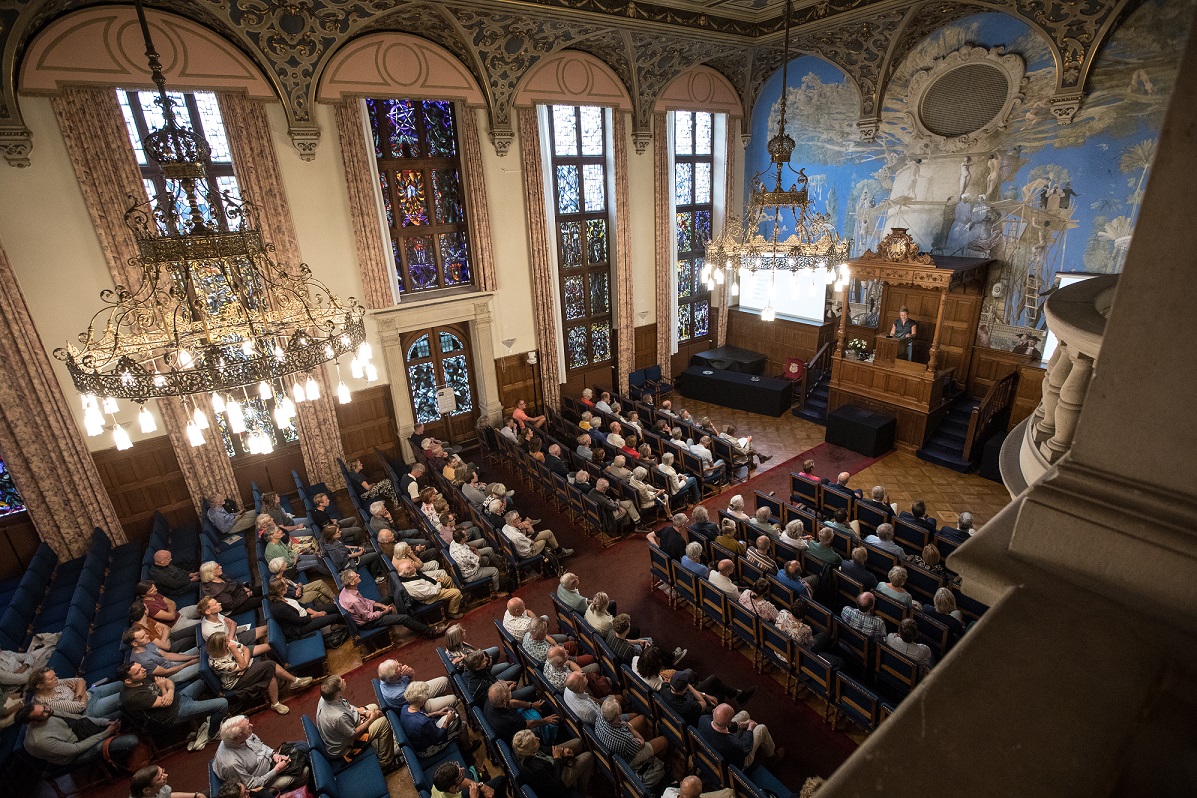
(430, 731)
(944, 611)
(236, 597)
(735, 508)
(563, 771)
(894, 588)
(458, 649)
(649, 495)
(598, 616)
(403, 551)
(316, 591)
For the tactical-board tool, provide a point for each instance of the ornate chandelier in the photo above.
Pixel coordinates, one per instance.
(214, 314)
(756, 243)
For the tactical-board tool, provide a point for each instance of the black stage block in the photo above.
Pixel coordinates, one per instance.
(731, 358)
(860, 430)
(991, 456)
(763, 395)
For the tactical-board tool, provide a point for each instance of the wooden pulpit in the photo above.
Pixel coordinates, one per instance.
(886, 350)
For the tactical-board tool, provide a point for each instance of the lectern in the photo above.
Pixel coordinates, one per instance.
(886, 350)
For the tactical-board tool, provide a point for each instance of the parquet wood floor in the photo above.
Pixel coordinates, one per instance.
(905, 477)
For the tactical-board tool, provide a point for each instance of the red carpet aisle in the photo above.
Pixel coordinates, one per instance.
(812, 748)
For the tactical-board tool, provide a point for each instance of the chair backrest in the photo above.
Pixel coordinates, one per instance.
(880, 560)
(910, 536)
(765, 500)
(636, 693)
(814, 672)
(507, 758)
(897, 670)
(860, 704)
(601, 755)
(708, 762)
(713, 602)
(846, 588)
(322, 773)
(871, 515)
(660, 565)
(806, 490)
(777, 646)
(808, 516)
(687, 585)
(922, 583)
(630, 785)
(890, 611)
(819, 617)
(745, 625)
(932, 632)
(857, 646)
(970, 608)
(671, 726)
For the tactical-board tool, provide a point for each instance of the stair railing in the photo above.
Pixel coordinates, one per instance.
(997, 399)
(817, 366)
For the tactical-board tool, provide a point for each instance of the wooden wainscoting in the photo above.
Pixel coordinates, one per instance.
(1029, 394)
(144, 479)
(646, 345)
(270, 472)
(777, 340)
(517, 380)
(20, 541)
(962, 312)
(367, 422)
(990, 365)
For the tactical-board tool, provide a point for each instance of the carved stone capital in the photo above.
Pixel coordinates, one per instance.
(867, 128)
(641, 139)
(1065, 105)
(15, 145)
(305, 139)
(501, 137)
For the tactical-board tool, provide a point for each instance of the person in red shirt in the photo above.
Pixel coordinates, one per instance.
(522, 418)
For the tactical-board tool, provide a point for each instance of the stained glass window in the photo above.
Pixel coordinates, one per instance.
(10, 499)
(578, 164)
(438, 358)
(259, 417)
(419, 169)
(199, 111)
(693, 165)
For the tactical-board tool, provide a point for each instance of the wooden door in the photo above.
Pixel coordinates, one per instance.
(435, 358)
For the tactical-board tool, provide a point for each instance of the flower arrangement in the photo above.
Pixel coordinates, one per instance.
(859, 347)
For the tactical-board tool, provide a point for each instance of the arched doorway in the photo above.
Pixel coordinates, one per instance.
(434, 358)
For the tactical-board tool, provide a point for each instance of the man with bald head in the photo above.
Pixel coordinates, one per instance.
(721, 578)
(618, 515)
(691, 787)
(170, 578)
(738, 737)
(842, 482)
(862, 619)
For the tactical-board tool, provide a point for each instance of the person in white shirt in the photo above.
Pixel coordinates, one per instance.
(710, 466)
(883, 539)
(686, 488)
(527, 541)
(720, 577)
(508, 430)
(905, 641)
(604, 402)
(615, 435)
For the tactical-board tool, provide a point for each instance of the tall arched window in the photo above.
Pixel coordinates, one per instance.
(436, 358)
(693, 168)
(419, 170)
(579, 170)
(11, 502)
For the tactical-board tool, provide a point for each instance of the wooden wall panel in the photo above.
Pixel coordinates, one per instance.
(646, 345)
(20, 541)
(990, 365)
(517, 380)
(366, 422)
(144, 479)
(777, 340)
(688, 349)
(961, 314)
(1029, 394)
(270, 472)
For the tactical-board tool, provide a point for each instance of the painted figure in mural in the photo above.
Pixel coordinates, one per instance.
(1028, 345)
(1066, 196)
(905, 329)
(966, 173)
(916, 171)
(983, 336)
(1054, 196)
(995, 175)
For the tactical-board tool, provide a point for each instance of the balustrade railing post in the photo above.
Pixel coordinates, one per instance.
(1052, 382)
(1068, 408)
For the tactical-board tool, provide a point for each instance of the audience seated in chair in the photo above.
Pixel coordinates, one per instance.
(737, 737)
(729, 538)
(721, 578)
(905, 641)
(918, 515)
(346, 729)
(671, 539)
(236, 597)
(563, 770)
(621, 739)
(432, 727)
(424, 588)
(883, 539)
(243, 758)
(315, 593)
(692, 561)
(170, 578)
(502, 712)
(961, 532)
(685, 488)
(299, 621)
(855, 568)
(862, 617)
(153, 700)
(370, 614)
(839, 523)
(691, 697)
(755, 600)
(842, 481)
(68, 739)
(179, 668)
(790, 575)
(247, 677)
(151, 782)
(72, 696)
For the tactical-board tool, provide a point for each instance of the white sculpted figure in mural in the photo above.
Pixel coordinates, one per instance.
(966, 173)
(995, 175)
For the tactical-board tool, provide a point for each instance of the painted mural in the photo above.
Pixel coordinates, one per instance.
(1040, 197)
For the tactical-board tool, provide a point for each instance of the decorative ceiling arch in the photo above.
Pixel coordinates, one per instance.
(397, 64)
(104, 46)
(699, 88)
(574, 78)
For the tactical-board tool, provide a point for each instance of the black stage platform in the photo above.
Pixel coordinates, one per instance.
(763, 395)
(730, 358)
(860, 430)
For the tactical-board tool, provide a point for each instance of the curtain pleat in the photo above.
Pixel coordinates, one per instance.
(624, 310)
(372, 255)
(475, 198)
(40, 442)
(663, 243)
(538, 249)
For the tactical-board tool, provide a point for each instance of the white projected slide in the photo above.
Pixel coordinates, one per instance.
(800, 295)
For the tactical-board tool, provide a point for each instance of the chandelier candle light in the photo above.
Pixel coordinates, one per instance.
(213, 312)
(756, 244)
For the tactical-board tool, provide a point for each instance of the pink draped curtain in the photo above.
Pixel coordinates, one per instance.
(538, 248)
(663, 244)
(39, 440)
(625, 322)
(259, 178)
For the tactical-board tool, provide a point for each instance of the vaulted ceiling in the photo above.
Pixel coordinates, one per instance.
(647, 44)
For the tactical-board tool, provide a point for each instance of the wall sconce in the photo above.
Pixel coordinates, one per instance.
(532, 357)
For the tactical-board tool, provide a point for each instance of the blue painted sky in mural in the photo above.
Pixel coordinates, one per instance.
(1039, 196)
